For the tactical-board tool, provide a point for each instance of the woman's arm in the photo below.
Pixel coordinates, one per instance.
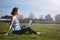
(11, 23)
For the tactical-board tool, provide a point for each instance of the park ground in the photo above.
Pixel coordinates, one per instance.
(51, 32)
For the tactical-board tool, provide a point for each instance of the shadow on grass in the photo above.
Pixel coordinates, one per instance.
(16, 34)
(2, 32)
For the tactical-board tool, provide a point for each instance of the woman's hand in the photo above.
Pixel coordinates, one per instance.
(6, 34)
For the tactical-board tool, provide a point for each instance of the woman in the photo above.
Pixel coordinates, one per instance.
(14, 25)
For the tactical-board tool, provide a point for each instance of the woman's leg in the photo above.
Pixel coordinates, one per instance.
(19, 32)
(30, 30)
(26, 30)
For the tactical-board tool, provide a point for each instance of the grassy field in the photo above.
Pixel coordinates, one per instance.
(51, 32)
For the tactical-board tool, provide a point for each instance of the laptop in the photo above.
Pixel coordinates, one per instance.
(28, 25)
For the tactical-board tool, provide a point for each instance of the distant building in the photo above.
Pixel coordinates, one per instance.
(57, 18)
(48, 18)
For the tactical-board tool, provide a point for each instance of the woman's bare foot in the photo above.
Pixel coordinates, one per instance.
(38, 33)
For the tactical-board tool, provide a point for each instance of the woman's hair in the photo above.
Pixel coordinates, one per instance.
(14, 10)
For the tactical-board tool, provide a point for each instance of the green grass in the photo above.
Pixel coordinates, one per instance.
(51, 32)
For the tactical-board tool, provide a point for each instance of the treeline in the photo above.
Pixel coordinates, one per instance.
(43, 20)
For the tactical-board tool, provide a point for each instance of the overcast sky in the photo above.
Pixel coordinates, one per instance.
(37, 7)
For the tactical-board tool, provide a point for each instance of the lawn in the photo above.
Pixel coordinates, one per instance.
(51, 32)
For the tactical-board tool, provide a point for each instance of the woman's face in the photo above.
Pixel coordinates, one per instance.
(16, 13)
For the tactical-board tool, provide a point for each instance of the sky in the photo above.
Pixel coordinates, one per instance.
(37, 7)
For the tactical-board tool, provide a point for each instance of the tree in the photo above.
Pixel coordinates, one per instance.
(42, 18)
(31, 16)
(48, 18)
(6, 17)
(20, 17)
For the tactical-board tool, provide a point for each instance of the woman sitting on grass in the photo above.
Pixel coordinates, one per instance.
(14, 25)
